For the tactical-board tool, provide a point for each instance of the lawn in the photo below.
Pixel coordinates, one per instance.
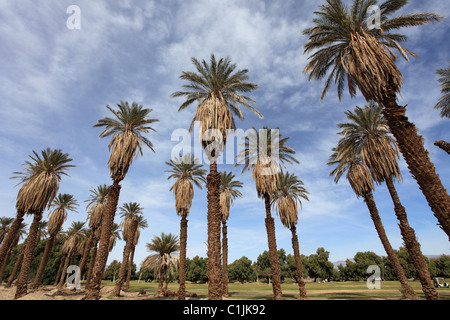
(315, 291)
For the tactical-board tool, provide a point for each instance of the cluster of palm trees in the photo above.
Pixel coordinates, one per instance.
(343, 49)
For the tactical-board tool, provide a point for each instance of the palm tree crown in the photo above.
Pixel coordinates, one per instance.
(62, 204)
(186, 171)
(444, 101)
(40, 179)
(97, 204)
(126, 128)
(355, 52)
(286, 198)
(228, 192)
(216, 87)
(129, 212)
(367, 134)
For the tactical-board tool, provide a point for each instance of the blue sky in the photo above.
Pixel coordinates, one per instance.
(56, 82)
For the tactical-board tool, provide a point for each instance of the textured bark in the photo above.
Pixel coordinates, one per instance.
(298, 263)
(182, 267)
(58, 275)
(93, 290)
(416, 156)
(408, 291)
(214, 221)
(32, 239)
(130, 266)
(11, 236)
(86, 251)
(274, 262)
(91, 263)
(224, 258)
(16, 268)
(63, 271)
(125, 258)
(44, 260)
(4, 264)
(443, 145)
(412, 245)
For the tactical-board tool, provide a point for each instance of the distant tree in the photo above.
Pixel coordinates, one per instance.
(241, 270)
(319, 266)
(196, 269)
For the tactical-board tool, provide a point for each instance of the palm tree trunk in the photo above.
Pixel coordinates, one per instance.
(22, 280)
(214, 259)
(63, 271)
(443, 145)
(408, 291)
(58, 275)
(17, 266)
(274, 262)
(225, 258)
(298, 263)
(44, 260)
(91, 263)
(412, 245)
(130, 265)
(126, 257)
(11, 236)
(182, 268)
(93, 290)
(87, 250)
(416, 156)
(4, 264)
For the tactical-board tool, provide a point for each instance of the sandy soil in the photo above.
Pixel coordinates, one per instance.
(52, 293)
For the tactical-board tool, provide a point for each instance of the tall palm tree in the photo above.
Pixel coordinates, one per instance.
(186, 171)
(348, 49)
(40, 184)
(360, 179)
(228, 193)
(142, 224)
(164, 261)
(5, 224)
(367, 134)
(129, 213)
(126, 143)
(41, 234)
(444, 101)
(217, 88)
(285, 200)
(62, 204)
(264, 150)
(95, 207)
(21, 232)
(74, 244)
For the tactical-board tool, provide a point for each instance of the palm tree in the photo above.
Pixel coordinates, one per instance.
(74, 244)
(62, 204)
(228, 193)
(40, 180)
(285, 200)
(142, 224)
(350, 50)
(5, 223)
(186, 171)
(130, 213)
(444, 101)
(216, 88)
(41, 234)
(21, 232)
(95, 207)
(367, 134)
(360, 179)
(164, 262)
(126, 143)
(263, 151)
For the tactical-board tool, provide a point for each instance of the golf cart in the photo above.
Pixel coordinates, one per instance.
(439, 283)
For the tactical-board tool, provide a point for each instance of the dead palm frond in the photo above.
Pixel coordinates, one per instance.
(127, 140)
(62, 204)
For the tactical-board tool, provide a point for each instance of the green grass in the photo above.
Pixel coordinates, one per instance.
(320, 291)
